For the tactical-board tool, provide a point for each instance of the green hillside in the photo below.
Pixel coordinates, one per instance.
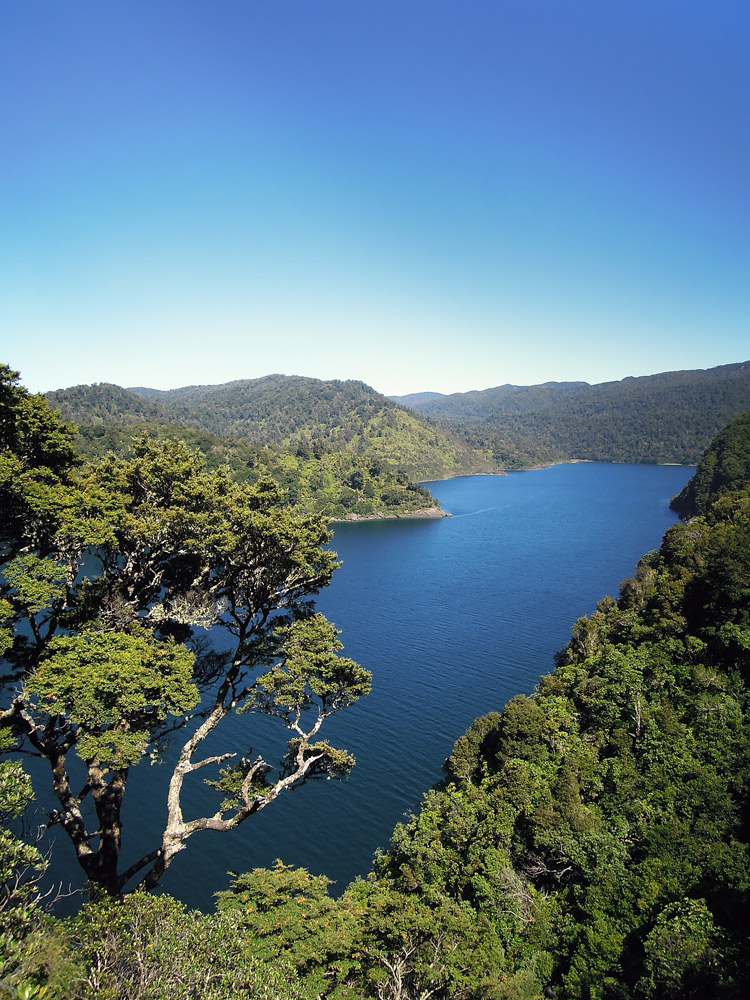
(670, 417)
(336, 447)
(294, 412)
(724, 467)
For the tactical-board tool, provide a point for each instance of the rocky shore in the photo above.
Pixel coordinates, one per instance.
(429, 512)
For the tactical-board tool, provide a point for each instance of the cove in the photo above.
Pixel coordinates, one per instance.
(453, 616)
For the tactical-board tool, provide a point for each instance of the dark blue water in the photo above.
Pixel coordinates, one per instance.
(453, 616)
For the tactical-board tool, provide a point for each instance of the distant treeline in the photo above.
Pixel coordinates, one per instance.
(342, 448)
(337, 447)
(667, 418)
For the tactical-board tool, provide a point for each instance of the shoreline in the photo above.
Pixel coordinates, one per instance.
(550, 465)
(430, 513)
(426, 513)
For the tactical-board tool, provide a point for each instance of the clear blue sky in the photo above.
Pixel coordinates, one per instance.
(421, 194)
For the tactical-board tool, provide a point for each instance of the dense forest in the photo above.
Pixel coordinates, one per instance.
(589, 841)
(667, 418)
(346, 450)
(283, 412)
(725, 467)
(336, 447)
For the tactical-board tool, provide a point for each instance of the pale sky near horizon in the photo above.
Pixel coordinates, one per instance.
(420, 194)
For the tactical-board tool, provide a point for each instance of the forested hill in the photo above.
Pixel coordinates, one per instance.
(724, 467)
(292, 411)
(337, 447)
(302, 415)
(670, 417)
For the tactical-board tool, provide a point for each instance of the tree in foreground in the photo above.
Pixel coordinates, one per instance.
(115, 581)
(149, 947)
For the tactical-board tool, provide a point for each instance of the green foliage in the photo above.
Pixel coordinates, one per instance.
(39, 965)
(29, 430)
(725, 466)
(412, 947)
(474, 750)
(36, 461)
(314, 483)
(374, 941)
(114, 689)
(34, 584)
(323, 485)
(150, 948)
(95, 441)
(310, 673)
(33, 959)
(109, 574)
(680, 957)
(288, 915)
(670, 417)
(20, 864)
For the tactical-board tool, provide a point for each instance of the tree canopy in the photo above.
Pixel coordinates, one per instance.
(117, 579)
(669, 417)
(725, 466)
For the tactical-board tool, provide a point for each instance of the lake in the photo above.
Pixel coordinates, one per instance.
(453, 616)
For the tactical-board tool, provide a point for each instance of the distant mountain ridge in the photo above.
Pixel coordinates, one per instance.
(431, 399)
(292, 411)
(337, 447)
(417, 397)
(670, 417)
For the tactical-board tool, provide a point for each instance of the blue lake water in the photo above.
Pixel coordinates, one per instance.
(453, 616)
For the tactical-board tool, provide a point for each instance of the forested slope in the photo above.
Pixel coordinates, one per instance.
(295, 412)
(336, 447)
(671, 417)
(724, 467)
